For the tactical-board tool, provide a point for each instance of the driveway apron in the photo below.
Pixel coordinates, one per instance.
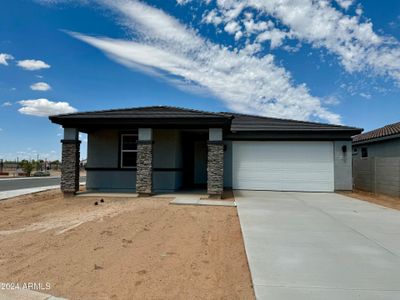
(320, 246)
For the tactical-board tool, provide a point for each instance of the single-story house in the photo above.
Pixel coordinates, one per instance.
(161, 148)
(381, 142)
(376, 160)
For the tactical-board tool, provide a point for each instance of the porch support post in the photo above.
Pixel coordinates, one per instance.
(144, 163)
(215, 163)
(70, 162)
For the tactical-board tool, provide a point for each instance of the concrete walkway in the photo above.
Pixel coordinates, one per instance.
(10, 184)
(26, 295)
(14, 193)
(320, 246)
(20, 192)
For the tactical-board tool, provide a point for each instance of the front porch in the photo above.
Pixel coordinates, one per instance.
(146, 161)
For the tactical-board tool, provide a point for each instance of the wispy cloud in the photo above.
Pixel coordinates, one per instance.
(40, 86)
(7, 103)
(245, 82)
(32, 64)
(43, 107)
(358, 47)
(4, 58)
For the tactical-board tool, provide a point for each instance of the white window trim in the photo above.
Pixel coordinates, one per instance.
(122, 149)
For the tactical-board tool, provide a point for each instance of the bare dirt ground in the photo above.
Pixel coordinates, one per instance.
(123, 248)
(383, 200)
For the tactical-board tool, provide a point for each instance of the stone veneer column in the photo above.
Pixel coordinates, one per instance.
(144, 163)
(70, 162)
(215, 164)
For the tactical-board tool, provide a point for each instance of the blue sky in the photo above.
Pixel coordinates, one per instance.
(334, 61)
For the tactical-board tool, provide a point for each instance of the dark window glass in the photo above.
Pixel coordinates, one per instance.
(128, 150)
(129, 159)
(364, 152)
(129, 142)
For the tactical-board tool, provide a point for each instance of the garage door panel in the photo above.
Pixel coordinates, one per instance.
(290, 166)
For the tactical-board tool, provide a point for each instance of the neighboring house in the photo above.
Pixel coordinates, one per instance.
(161, 148)
(376, 160)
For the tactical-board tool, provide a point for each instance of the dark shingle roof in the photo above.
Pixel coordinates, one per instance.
(383, 132)
(243, 122)
(157, 112)
(173, 115)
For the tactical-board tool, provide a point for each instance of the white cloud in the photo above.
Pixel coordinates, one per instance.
(40, 86)
(7, 103)
(345, 4)
(4, 57)
(232, 27)
(275, 36)
(43, 107)
(182, 2)
(320, 24)
(212, 18)
(365, 95)
(331, 100)
(246, 83)
(32, 65)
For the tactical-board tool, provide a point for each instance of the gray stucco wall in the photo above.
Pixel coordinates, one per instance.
(378, 175)
(103, 150)
(388, 148)
(124, 181)
(228, 164)
(103, 153)
(343, 166)
(380, 171)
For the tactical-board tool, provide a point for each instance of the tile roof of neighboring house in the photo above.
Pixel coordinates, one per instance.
(387, 131)
(236, 121)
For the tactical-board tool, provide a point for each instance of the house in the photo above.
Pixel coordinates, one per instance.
(161, 148)
(376, 160)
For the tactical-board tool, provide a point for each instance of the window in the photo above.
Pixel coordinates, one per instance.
(128, 150)
(364, 152)
(355, 151)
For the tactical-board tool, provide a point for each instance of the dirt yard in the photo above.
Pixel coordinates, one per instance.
(123, 248)
(383, 200)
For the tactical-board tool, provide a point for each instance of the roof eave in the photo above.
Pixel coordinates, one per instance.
(376, 140)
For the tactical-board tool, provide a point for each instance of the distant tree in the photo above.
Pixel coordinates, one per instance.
(27, 167)
(55, 165)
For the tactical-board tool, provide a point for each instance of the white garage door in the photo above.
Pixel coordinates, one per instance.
(283, 166)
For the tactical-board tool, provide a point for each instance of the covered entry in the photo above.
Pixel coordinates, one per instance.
(283, 166)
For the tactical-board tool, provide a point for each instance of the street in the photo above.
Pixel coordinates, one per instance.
(31, 182)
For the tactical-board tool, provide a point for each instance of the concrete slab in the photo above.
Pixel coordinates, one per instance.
(19, 294)
(320, 246)
(20, 192)
(14, 193)
(183, 201)
(272, 292)
(106, 194)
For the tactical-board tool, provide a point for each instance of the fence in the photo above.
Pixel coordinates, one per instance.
(380, 175)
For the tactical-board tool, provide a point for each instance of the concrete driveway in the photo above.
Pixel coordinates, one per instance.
(320, 246)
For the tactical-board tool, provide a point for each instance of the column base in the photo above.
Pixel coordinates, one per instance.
(69, 194)
(215, 196)
(144, 195)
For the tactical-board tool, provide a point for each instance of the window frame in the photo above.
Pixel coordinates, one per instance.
(122, 151)
(364, 150)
